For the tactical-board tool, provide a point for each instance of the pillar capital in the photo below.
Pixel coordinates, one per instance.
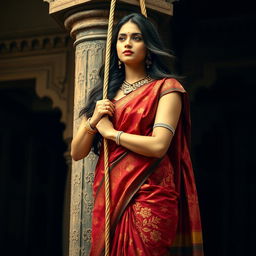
(88, 25)
(60, 9)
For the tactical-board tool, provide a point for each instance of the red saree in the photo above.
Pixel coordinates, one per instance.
(154, 206)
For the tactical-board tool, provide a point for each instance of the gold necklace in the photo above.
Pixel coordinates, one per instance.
(127, 87)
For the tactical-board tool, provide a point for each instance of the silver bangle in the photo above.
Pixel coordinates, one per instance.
(167, 126)
(118, 137)
(88, 120)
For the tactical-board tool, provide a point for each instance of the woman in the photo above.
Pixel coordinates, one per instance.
(154, 206)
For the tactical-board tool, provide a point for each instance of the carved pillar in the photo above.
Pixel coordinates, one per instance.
(87, 21)
(88, 28)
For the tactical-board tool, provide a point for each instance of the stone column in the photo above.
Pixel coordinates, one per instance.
(87, 22)
(88, 28)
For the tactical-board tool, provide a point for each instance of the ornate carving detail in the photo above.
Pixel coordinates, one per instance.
(80, 79)
(25, 45)
(75, 235)
(87, 235)
(92, 157)
(84, 251)
(89, 57)
(80, 104)
(94, 48)
(20, 60)
(77, 179)
(89, 208)
(93, 76)
(89, 178)
(78, 52)
(76, 207)
(88, 203)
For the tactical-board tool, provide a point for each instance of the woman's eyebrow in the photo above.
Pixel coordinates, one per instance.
(133, 34)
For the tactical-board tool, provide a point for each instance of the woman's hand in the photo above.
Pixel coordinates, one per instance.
(105, 127)
(102, 107)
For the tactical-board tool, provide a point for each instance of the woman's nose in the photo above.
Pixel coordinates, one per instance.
(128, 44)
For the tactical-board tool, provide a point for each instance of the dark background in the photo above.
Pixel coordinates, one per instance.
(32, 172)
(215, 46)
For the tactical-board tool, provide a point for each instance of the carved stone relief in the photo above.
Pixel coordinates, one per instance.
(89, 57)
(44, 58)
(25, 45)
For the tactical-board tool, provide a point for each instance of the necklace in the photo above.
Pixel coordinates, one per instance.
(127, 87)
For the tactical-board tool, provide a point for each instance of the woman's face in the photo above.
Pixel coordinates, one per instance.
(130, 46)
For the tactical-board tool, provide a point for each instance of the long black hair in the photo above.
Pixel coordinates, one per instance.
(159, 56)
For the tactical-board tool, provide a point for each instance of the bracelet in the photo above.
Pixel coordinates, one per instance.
(92, 128)
(118, 137)
(88, 128)
(167, 126)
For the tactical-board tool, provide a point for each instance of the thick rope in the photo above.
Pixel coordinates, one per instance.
(143, 7)
(105, 94)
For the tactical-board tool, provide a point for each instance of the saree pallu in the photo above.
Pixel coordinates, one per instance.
(154, 205)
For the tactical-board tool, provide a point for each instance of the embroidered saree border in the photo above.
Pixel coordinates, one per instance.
(188, 240)
(183, 246)
(133, 189)
(195, 250)
(171, 90)
(110, 168)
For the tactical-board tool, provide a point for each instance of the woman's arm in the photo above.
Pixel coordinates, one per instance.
(82, 141)
(168, 112)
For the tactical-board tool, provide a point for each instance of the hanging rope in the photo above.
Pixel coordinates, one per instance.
(143, 8)
(105, 94)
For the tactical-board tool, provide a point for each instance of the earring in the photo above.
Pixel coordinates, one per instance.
(148, 61)
(119, 64)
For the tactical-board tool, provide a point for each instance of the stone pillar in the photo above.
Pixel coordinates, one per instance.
(87, 22)
(88, 28)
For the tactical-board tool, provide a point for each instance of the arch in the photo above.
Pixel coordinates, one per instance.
(50, 73)
(33, 170)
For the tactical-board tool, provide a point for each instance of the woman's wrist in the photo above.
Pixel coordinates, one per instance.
(115, 135)
(88, 127)
(118, 135)
(112, 135)
(93, 122)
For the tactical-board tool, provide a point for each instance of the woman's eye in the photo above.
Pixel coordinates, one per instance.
(137, 38)
(121, 38)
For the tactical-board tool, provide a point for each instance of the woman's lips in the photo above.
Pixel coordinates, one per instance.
(127, 53)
